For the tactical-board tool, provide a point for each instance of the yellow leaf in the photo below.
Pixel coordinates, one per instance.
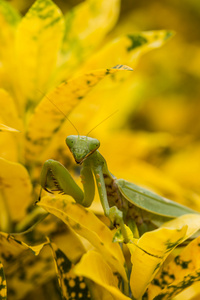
(70, 284)
(191, 220)
(23, 267)
(9, 112)
(148, 254)
(184, 166)
(14, 244)
(15, 188)
(75, 249)
(128, 49)
(8, 21)
(47, 118)
(9, 116)
(178, 274)
(108, 96)
(94, 267)
(82, 35)
(86, 224)
(7, 128)
(153, 247)
(3, 287)
(38, 40)
(119, 238)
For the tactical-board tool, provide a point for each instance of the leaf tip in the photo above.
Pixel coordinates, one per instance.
(169, 34)
(122, 67)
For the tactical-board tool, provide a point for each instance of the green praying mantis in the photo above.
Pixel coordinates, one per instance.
(123, 202)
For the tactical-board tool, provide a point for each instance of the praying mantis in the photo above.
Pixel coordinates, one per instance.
(123, 202)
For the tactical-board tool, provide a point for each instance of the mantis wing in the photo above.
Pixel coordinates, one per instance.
(151, 202)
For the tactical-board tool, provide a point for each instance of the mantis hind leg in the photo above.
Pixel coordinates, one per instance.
(55, 177)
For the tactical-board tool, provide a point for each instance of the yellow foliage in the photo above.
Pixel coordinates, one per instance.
(149, 252)
(86, 224)
(68, 54)
(94, 267)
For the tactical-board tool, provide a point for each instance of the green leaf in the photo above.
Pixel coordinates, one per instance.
(86, 224)
(47, 118)
(38, 40)
(72, 286)
(3, 287)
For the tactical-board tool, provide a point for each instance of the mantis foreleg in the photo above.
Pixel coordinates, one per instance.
(55, 175)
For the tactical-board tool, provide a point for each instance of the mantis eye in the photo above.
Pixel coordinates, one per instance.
(70, 141)
(93, 144)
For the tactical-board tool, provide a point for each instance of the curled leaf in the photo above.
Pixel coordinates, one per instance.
(7, 128)
(94, 267)
(149, 252)
(86, 224)
(178, 274)
(72, 286)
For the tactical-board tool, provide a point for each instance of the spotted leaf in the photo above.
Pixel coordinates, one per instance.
(178, 274)
(128, 48)
(3, 287)
(72, 286)
(84, 34)
(9, 18)
(22, 264)
(86, 224)
(94, 267)
(47, 118)
(149, 252)
(38, 39)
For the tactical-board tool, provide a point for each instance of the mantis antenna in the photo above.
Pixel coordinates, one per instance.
(60, 111)
(102, 121)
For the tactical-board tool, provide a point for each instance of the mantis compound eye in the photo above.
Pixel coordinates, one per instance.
(71, 140)
(93, 144)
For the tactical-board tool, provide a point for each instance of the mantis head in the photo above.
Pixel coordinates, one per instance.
(81, 146)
